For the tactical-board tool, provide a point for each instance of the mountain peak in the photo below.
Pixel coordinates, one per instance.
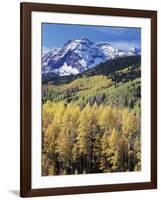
(78, 55)
(103, 43)
(85, 39)
(134, 51)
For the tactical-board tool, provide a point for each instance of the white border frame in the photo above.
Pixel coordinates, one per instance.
(144, 175)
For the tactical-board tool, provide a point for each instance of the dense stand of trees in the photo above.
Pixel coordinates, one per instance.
(92, 139)
(111, 66)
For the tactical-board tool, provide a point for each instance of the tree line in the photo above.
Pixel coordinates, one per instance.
(104, 68)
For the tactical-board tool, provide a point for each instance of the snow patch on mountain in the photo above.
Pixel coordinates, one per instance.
(67, 70)
(134, 51)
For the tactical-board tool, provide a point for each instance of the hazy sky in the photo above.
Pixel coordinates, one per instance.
(55, 35)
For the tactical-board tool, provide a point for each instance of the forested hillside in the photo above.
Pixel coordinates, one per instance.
(91, 121)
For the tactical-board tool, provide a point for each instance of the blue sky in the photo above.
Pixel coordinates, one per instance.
(55, 35)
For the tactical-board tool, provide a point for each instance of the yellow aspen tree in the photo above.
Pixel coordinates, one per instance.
(49, 136)
(87, 131)
(130, 129)
(137, 153)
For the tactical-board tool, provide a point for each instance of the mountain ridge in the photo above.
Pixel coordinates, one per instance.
(78, 55)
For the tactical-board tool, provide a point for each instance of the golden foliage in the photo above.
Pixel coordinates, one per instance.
(89, 140)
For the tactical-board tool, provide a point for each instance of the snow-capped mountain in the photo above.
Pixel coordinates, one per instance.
(79, 55)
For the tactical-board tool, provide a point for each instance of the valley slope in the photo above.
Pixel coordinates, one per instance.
(115, 82)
